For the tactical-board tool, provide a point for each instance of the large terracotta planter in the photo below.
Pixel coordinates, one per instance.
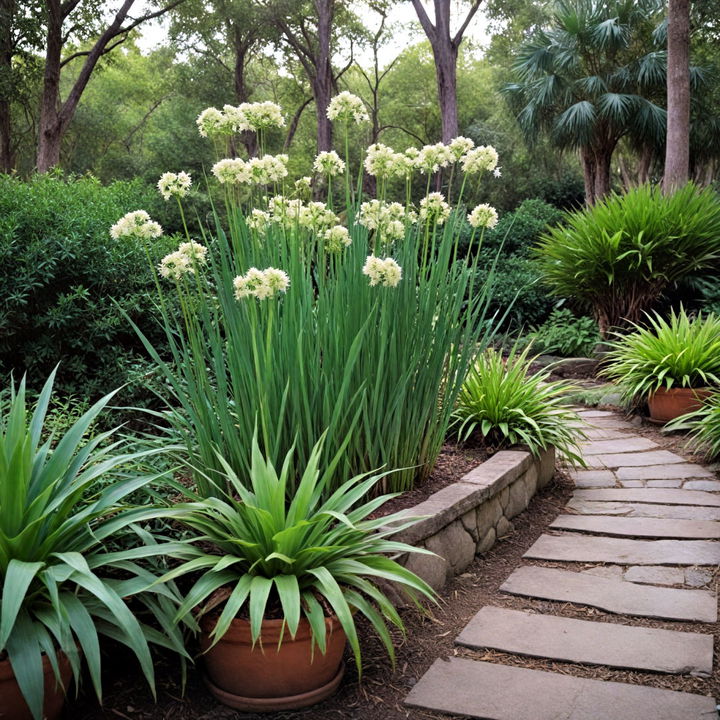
(12, 703)
(666, 405)
(267, 678)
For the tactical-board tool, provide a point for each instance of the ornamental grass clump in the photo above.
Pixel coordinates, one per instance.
(303, 317)
(703, 426)
(508, 404)
(678, 352)
(616, 259)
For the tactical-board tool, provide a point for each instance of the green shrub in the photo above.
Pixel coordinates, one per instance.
(678, 352)
(703, 425)
(617, 258)
(65, 283)
(508, 405)
(566, 335)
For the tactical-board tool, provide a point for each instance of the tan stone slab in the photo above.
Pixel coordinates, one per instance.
(640, 459)
(639, 527)
(615, 596)
(655, 575)
(593, 478)
(681, 512)
(709, 485)
(593, 643)
(596, 433)
(500, 692)
(677, 471)
(624, 445)
(581, 548)
(596, 414)
(610, 423)
(663, 496)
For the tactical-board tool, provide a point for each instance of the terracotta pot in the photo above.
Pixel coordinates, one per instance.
(666, 405)
(12, 703)
(268, 678)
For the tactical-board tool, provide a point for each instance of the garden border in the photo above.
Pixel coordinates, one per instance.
(466, 518)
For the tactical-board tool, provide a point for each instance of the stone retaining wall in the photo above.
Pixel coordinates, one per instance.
(466, 518)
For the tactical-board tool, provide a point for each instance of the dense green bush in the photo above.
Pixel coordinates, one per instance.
(566, 335)
(617, 258)
(65, 284)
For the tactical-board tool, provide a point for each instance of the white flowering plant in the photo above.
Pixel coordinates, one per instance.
(299, 316)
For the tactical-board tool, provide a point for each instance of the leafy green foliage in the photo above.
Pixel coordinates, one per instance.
(65, 284)
(566, 335)
(616, 258)
(297, 551)
(509, 405)
(678, 352)
(703, 425)
(62, 516)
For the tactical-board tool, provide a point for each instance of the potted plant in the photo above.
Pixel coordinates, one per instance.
(61, 585)
(281, 580)
(672, 363)
(703, 425)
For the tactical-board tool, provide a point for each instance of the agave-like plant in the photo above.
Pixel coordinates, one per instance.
(510, 405)
(680, 351)
(66, 573)
(306, 552)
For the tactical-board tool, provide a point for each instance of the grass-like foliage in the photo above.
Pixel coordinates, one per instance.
(703, 425)
(616, 258)
(297, 552)
(509, 405)
(565, 334)
(680, 351)
(66, 572)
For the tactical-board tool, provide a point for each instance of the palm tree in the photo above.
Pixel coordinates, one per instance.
(593, 77)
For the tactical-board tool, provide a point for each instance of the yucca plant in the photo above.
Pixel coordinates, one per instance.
(314, 551)
(703, 426)
(73, 561)
(678, 352)
(617, 258)
(508, 404)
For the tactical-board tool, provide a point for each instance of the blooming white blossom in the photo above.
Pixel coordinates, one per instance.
(232, 171)
(328, 163)
(234, 120)
(194, 251)
(285, 211)
(136, 224)
(402, 165)
(211, 122)
(431, 158)
(261, 284)
(262, 115)
(483, 215)
(175, 265)
(257, 220)
(346, 107)
(434, 208)
(303, 186)
(481, 158)
(172, 184)
(380, 160)
(496, 172)
(268, 169)
(385, 272)
(388, 219)
(336, 238)
(459, 146)
(317, 216)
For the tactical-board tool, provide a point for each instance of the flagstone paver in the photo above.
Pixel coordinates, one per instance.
(593, 643)
(651, 495)
(639, 527)
(581, 548)
(500, 692)
(597, 433)
(626, 445)
(615, 596)
(710, 485)
(616, 460)
(655, 575)
(679, 471)
(656, 483)
(593, 478)
(681, 512)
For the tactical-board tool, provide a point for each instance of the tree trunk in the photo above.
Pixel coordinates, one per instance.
(7, 12)
(588, 163)
(677, 150)
(603, 158)
(50, 135)
(248, 138)
(445, 55)
(322, 82)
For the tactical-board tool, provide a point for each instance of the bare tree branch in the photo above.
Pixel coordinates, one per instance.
(468, 19)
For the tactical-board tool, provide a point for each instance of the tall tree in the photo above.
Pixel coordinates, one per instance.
(445, 45)
(64, 21)
(590, 80)
(677, 147)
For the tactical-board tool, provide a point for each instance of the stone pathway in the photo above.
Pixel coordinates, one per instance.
(651, 521)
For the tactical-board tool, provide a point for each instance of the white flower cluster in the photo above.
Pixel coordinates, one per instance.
(136, 224)
(483, 215)
(329, 163)
(336, 238)
(481, 158)
(346, 107)
(459, 146)
(261, 284)
(433, 157)
(257, 220)
(385, 272)
(433, 208)
(260, 171)
(388, 219)
(172, 184)
(291, 212)
(380, 160)
(183, 260)
(316, 216)
(303, 186)
(246, 116)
